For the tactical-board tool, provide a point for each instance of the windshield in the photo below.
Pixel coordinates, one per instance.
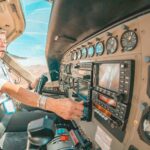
(31, 44)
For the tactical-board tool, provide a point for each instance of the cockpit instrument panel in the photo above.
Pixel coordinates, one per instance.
(108, 71)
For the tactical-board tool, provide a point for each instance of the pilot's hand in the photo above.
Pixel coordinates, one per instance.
(68, 109)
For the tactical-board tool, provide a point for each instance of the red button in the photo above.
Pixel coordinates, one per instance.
(64, 138)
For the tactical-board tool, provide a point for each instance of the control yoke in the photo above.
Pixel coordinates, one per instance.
(42, 81)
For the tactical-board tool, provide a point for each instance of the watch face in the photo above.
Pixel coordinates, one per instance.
(84, 52)
(111, 45)
(129, 40)
(91, 51)
(99, 48)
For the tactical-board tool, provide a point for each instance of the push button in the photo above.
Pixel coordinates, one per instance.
(64, 138)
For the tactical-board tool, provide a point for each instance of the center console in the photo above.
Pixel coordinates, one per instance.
(112, 93)
(75, 81)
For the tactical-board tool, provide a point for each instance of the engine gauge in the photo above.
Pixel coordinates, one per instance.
(91, 51)
(75, 56)
(62, 68)
(84, 53)
(99, 48)
(129, 40)
(72, 55)
(111, 45)
(79, 54)
(68, 68)
(71, 81)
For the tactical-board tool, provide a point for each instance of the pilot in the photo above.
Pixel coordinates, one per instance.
(65, 108)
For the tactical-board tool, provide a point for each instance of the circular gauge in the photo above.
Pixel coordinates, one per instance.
(67, 79)
(79, 54)
(72, 56)
(72, 68)
(91, 51)
(71, 82)
(99, 48)
(68, 69)
(65, 68)
(75, 56)
(84, 52)
(111, 45)
(62, 68)
(129, 40)
(144, 127)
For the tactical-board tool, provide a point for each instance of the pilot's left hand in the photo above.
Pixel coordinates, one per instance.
(34, 84)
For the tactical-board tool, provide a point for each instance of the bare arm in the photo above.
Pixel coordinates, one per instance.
(65, 108)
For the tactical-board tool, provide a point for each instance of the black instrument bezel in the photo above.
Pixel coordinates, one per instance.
(134, 45)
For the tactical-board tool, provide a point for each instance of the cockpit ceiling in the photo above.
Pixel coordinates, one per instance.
(74, 20)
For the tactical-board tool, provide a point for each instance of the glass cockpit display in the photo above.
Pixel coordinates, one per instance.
(109, 75)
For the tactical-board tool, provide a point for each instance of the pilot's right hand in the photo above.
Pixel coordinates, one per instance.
(68, 109)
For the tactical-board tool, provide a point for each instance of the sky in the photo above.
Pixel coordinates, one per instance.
(32, 42)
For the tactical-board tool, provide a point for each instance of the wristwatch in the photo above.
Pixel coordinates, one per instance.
(41, 102)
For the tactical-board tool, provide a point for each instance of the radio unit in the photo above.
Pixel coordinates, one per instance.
(112, 93)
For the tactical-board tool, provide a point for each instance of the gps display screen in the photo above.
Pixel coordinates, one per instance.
(109, 76)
